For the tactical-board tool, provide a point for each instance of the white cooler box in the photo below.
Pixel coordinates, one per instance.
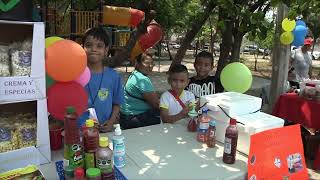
(234, 104)
(245, 109)
(253, 123)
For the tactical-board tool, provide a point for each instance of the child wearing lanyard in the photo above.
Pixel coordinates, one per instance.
(105, 90)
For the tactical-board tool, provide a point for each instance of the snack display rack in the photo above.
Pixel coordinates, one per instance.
(26, 94)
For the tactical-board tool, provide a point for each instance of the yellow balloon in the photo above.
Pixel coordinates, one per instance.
(286, 38)
(50, 40)
(288, 25)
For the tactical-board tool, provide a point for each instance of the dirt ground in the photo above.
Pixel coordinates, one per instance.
(264, 70)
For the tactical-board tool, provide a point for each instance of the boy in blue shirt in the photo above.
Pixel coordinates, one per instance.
(105, 90)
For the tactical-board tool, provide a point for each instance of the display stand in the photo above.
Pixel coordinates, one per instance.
(26, 89)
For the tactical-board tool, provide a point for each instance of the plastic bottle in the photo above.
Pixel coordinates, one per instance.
(91, 140)
(79, 174)
(68, 173)
(230, 142)
(93, 174)
(104, 157)
(193, 117)
(73, 150)
(118, 148)
(203, 126)
(211, 135)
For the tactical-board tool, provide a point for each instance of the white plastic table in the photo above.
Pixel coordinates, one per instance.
(169, 151)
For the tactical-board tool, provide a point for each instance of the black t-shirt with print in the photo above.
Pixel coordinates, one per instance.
(209, 85)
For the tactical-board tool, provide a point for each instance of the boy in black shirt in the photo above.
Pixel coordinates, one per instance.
(203, 84)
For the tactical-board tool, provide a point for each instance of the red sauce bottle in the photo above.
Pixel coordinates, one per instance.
(211, 139)
(230, 142)
(71, 129)
(91, 141)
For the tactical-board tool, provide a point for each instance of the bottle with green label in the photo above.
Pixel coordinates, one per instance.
(104, 157)
(73, 151)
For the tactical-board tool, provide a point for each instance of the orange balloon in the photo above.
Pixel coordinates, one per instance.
(65, 60)
(136, 50)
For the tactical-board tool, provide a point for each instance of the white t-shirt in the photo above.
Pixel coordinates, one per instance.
(168, 101)
(301, 63)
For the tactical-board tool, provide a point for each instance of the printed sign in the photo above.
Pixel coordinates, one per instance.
(19, 88)
(277, 154)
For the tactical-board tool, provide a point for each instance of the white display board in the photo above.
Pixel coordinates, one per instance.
(27, 88)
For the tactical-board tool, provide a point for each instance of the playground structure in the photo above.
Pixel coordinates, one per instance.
(72, 23)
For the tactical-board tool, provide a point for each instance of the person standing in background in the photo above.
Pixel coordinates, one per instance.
(301, 64)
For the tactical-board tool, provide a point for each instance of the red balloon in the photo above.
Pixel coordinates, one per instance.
(152, 37)
(135, 16)
(61, 95)
(65, 60)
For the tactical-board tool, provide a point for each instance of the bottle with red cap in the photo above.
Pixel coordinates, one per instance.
(79, 174)
(230, 142)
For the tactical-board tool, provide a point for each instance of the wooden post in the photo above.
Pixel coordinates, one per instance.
(280, 60)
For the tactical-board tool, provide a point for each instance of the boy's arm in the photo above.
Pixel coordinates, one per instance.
(166, 118)
(107, 127)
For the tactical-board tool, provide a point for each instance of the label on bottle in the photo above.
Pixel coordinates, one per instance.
(119, 152)
(212, 133)
(89, 160)
(105, 165)
(76, 156)
(203, 126)
(227, 145)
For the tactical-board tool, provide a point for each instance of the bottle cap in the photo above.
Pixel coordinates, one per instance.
(89, 123)
(103, 142)
(70, 109)
(233, 121)
(205, 109)
(117, 131)
(69, 171)
(93, 172)
(79, 172)
(212, 123)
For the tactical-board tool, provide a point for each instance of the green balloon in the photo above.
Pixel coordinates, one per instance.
(49, 81)
(50, 40)
(236, 77)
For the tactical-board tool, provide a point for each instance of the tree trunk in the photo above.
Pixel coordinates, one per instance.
(225, 46)
(168, 49)
(196, 26)
(235, 53)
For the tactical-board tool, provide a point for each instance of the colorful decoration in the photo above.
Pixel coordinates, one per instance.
(288, 25)
(50, 40)
(301, 23)
(84, 78)
(61, 95)
(65, 60)
(286, 38)
(49, 81)
(236, 77)
(122, 16)
(300, 33)
(147, 40)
